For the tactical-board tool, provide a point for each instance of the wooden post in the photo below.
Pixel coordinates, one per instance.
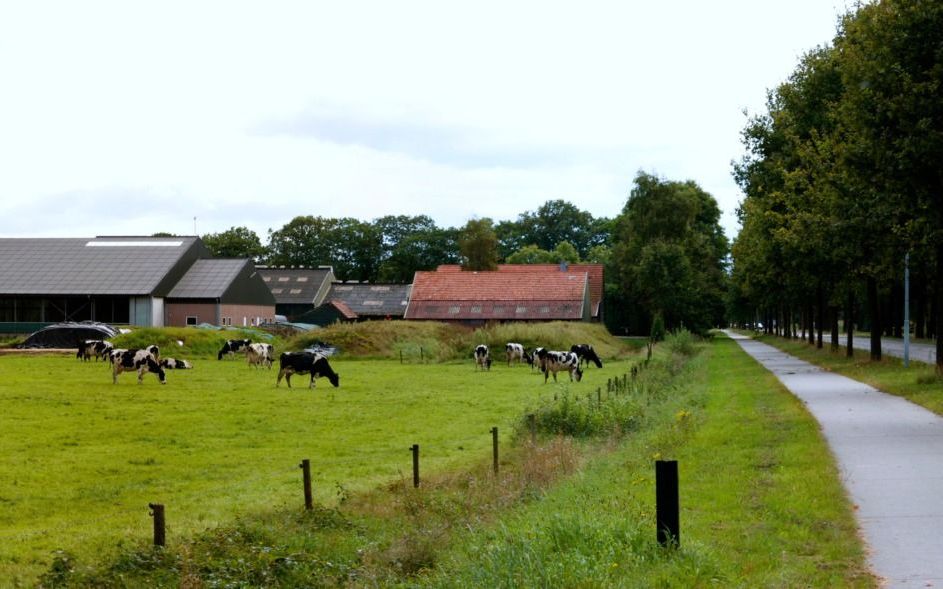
(305, 467)
(415, 451)
(494, 444)
(160, 524)
(599, 396)
(667, 506)
(401, 356)
(609, 386)
(532, 424)
(422, 355)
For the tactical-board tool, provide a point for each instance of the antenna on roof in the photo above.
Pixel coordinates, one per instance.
(194, 226)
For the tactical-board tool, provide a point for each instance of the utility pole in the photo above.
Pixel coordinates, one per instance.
(907, 310)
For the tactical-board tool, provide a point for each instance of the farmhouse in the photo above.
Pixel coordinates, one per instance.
(297, 290)
(593, 271)
(123, 280)
(478, 297)
(220, 292)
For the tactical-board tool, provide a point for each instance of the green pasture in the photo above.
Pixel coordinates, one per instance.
(82, 457)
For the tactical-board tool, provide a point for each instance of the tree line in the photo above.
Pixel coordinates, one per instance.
(843, 179)
(664, 255)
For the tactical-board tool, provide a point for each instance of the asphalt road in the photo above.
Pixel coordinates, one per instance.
(892, 347)
(890, 454)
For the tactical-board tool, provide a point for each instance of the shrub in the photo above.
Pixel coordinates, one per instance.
(682, 342)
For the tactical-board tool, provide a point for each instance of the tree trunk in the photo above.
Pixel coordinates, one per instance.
(850, 325)
(897, 313)
(920, 308)
(874, 306)
(810, 322)
(833, 315)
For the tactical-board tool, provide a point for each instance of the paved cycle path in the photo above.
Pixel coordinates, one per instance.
(890, 453)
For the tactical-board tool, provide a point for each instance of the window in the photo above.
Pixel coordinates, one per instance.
(476, 309)
(192, 320)
(454, 310)
(284, 278)
(302, 279)
(226, 321)
(295, 291)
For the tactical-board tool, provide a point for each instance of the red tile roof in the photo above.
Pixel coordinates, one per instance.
(342, 307)
(594, 271)
(497, 295)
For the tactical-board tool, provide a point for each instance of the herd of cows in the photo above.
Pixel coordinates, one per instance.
(547, 361)
(257, 354)
(316, 365)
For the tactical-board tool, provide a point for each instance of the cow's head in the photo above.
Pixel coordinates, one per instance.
(578, 375)
(335, 379)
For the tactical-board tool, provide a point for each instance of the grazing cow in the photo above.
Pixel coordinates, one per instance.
(94, 347)
(174, 364)
(260, 355)
(517, 352)
(586, 354)
(536, 360)
(140, 360)
(556, 361)
(482, 357)
(232, 346)
(153, 350)
(302, 363)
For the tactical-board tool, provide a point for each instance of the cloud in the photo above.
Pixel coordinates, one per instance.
(416, 137)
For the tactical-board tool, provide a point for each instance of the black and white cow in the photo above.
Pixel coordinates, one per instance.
(140, 360)
(94, 347)
(260, 355)
(482, 357)
(153, 350)
(558, 361)
(305, 363)
(535, 360)
(518, 353)
(174, 364)
(232, 346)
(586, 354)
(114, 353)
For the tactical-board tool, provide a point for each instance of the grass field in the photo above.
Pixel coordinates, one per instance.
(82, 457)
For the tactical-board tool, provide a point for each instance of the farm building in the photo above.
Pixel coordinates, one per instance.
(478, 297)
(297, 290)
(593, 271)
(119, 280)
(360, 301)
(221, 292)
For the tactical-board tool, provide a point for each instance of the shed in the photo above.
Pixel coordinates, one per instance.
(222, 292)
(297, 290)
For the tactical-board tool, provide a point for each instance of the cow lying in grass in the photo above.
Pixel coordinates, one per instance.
(482, 357)
(174, 364)
(560, 361)
(587, 354)
(305, 363)
(136, 360)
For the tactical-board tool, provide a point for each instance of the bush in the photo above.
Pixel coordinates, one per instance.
(682, 342)
(187, 341)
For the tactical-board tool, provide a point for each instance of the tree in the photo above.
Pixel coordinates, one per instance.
(552, 223)
(478, 245)
(531, 254)
(670, 254)
(235, 242)
(352, 247)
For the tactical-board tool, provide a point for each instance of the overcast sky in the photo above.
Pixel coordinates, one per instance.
(128, 119)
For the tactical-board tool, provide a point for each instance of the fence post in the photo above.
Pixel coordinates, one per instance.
(160, 524)
(667, 506)
(305, 467)
(599, 396)
(415, 451)
(401, 356)
(609, 386)
(532, 424)
(422, 355)
(494, 444)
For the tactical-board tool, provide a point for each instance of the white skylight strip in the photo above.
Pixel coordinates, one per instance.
(134, 244)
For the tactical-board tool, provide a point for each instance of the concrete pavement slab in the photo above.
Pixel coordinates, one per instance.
(890, 454)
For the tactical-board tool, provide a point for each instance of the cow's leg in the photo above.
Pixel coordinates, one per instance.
(141, 375)
(311, 384)
(282, 372)
(114, 373)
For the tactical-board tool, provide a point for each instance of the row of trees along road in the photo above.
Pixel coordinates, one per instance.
(664, 254)
(843, 176)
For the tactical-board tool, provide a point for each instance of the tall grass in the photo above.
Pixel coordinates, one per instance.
(445, 341)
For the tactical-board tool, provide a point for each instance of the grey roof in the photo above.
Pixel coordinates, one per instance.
(366, 299)
(295, 285)
(208, 279)
(93, 266)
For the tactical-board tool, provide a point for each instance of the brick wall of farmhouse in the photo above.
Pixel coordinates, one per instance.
(246, 314)
(177, 313)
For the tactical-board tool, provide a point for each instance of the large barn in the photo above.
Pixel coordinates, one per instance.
(118, 280)
(479, 297)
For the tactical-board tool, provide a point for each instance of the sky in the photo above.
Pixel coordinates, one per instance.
(131, 118)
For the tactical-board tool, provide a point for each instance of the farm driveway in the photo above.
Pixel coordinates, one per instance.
(890, 453)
